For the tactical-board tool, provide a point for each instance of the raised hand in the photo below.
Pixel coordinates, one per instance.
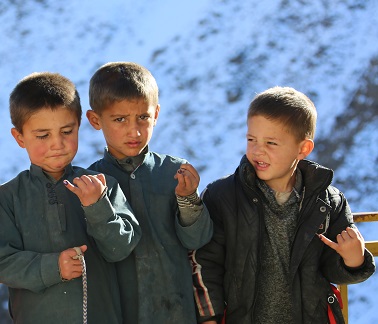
(188, 180)
(350, 245)
(89, 188)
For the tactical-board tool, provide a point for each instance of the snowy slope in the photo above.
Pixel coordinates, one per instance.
(210, 58)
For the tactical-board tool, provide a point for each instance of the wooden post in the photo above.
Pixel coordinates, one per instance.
(372, 246)
(344, 297)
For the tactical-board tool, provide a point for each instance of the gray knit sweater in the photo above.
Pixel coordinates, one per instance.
(273, 303)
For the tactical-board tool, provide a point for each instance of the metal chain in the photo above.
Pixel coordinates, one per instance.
(80, 256)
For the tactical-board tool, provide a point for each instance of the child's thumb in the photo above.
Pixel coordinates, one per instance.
(83, 248)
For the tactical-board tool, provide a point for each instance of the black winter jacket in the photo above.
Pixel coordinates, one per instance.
(225, 270)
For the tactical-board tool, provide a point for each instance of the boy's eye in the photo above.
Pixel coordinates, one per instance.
(67, 132)
(144, 117)
(272, 143)
(42, 136)
(120, 119)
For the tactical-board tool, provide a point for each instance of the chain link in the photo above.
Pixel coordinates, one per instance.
(80, 256)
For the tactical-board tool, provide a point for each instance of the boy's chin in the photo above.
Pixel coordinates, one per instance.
(126, 153)
(132, 153)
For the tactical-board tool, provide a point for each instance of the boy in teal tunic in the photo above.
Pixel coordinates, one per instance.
(53, 208)
(155, 280)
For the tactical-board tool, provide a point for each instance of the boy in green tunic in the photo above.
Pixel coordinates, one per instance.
(155, 280)
(49, 211)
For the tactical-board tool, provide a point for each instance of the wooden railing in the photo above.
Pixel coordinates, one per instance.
(372, 246)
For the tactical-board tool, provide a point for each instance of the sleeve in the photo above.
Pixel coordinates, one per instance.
(23, 269)
(208, 270)
(332, 265)
(190, 208)
(112, 224)
(199, 232)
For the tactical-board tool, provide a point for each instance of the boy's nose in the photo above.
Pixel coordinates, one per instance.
(57, 142)
(258, 150)
(134, 130)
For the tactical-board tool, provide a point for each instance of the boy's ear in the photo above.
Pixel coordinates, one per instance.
(157, 110)
(306, 148)
(93, 119)
(18, 137)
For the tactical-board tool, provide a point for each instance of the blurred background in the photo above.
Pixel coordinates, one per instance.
(210, 58)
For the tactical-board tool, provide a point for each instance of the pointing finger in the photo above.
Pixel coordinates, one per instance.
(70, 186)
(328, 242)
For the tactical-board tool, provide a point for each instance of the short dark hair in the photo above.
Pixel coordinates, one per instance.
(42, 90)
(117, 81)
(289, 106)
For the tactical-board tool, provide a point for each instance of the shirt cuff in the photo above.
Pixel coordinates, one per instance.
(189, 201)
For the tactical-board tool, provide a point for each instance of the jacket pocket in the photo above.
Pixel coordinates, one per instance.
(231, 292)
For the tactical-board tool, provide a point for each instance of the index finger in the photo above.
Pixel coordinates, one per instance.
(328, 242)
(70, 186)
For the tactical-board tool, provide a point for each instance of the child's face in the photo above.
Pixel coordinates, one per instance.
(51, 139)
(127, 126)
(274, 152)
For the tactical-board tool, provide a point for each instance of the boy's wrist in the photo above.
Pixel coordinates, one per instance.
(190, 208)
(351, 267)
(189, 201)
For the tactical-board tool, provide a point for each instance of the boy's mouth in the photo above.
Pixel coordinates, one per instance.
(261, 164)
(133, 143)
(58, 155)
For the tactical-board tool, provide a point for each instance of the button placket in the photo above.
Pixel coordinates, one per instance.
(51, 194)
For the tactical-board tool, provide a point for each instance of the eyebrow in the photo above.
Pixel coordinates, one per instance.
(130, 114)
(271, 138)
(117, 115)
(48, 129)
(265, 137)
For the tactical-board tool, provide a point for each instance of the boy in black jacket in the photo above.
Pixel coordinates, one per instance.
(282, 233)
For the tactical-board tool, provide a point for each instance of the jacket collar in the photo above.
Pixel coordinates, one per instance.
(131, 163)
(315, 177)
